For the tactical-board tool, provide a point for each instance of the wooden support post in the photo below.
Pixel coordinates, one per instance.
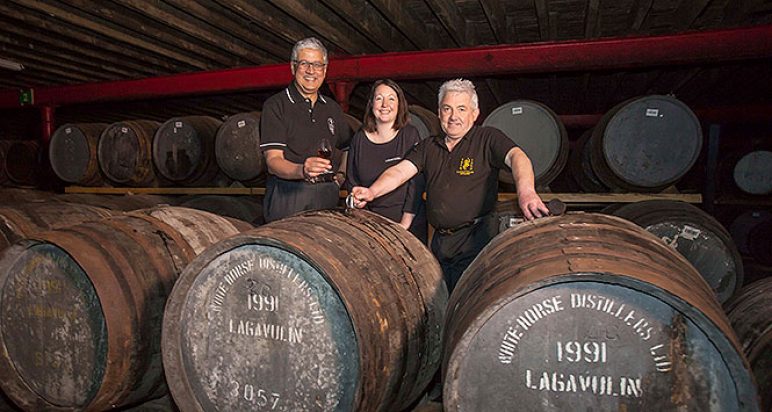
(47, 117)
(709, 195)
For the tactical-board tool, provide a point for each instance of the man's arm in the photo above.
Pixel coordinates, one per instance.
(522, 172)
(389, 180)
(284, 169)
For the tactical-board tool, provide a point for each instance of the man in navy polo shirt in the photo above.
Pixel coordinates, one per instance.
(292, 126)
(461, 170)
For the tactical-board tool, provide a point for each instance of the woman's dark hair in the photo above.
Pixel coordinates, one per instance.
(402, 114)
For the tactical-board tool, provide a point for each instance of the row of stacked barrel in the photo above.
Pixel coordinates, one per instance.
(183, 151)
(18, 159)
(345, 310)
(645, 144)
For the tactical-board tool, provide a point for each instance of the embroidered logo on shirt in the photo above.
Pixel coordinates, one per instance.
(466, 166)
(331, 125)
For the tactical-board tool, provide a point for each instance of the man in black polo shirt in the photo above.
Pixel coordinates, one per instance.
(461, 170)
(292, 126)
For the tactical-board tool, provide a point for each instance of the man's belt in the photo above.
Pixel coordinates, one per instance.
(454, 229)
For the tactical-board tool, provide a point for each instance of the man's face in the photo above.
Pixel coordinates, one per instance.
(309, 79)
(457, 114)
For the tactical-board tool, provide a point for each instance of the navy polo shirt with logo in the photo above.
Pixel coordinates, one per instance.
(290, 123)
(461, 185)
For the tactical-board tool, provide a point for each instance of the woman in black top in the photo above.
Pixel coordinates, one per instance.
(382, 141)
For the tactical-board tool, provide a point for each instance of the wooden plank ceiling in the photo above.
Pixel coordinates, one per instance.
(81, 41)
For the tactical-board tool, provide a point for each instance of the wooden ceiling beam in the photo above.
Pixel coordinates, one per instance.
(230, 22)
(68, 32)
(201, 30)
(319, 18)
(497, 19)
(368, 20)
(591, 19)
(38, 48)
(120, 34)
(268, 17)
(407, 23)
(450, 17)
(542, 15)
(687, 12)
(42, 41)
(638, 13)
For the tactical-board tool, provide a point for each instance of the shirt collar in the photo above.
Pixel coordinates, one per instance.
(440, 139)
(293, 95)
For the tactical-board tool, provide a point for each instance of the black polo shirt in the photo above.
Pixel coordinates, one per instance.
(461, 185)
(289, 123)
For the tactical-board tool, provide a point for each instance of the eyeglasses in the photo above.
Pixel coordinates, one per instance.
(305, 65)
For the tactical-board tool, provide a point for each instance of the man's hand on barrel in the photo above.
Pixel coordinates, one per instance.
(531, 205)
(361, 196)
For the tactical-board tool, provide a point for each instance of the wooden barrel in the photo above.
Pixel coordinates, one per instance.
(125, 153)
(6, 405)
(751, 315)
(21, 161)
(82, 307)
(538, 131)
(237, 148)
(13, 195)
(426, 121)
(645, 144)
(124, 203)
(22, 220)
(183, 150)
(589, 312)
(696, 235)
(580, 166)
(752, 173)
(246, 208)
(320, 311)
(73, 153)
(760, 246)
(742, 226)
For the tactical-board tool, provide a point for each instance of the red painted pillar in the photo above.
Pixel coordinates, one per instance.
(47, 117)
(342, 90)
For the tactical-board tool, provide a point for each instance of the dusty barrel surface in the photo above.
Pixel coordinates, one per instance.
(125, 153)
(426, 121)
(184, 150)
(25, 219)
(80, 325)
(117, 202)
(696, 235)
(321, 311)
(751, 315)
(237, 148)
(580, 166)
(589, 312)
(752, 173)
(246, 208)
(538, 131)
(21, 161)
(645, 144)
(73, 153)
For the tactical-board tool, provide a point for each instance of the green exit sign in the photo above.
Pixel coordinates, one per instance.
(26, 97)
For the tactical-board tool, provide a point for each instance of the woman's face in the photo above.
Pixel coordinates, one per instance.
(385, 104)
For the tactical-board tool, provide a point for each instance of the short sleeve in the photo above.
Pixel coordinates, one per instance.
(417, 154)
(273, 129)
(498, 147)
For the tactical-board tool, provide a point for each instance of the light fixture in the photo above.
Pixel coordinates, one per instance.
(11, 65)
